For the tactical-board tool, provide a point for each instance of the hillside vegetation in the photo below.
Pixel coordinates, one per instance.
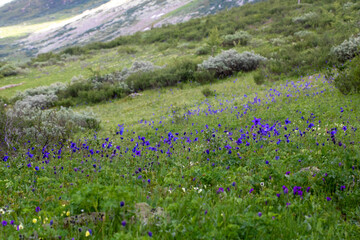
(241, 125)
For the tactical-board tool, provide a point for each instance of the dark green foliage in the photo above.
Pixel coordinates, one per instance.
(7, 70)
(240, 37)
(84, 92)
(127, 50)
(204, 77)
(75, 51)
(44, 57)
(203, 50)
(207, 92)
(182, 70)
(259, 78)
(348, 80)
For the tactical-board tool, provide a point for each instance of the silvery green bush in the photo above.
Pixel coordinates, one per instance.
(53, 89)
(231, 61)
(117, 77)
(37, 101)
(9, 70)
(277, 41)
(305, 18)
(347, 49)
(241, 37)
(303, 33)
(25, 123)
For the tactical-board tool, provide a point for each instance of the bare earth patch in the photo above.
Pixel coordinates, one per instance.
(10, 86)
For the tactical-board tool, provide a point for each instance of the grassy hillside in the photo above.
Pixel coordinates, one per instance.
(265, 154)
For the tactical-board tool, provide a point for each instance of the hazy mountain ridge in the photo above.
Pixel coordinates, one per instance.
(19, 11)
(122, 17)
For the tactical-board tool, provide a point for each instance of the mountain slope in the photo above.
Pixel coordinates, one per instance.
(122, 17)
(19, 11)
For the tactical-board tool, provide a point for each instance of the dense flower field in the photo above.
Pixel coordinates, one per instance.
(281, 161)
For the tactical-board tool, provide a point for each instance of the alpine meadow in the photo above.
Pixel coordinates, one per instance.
(214, 120)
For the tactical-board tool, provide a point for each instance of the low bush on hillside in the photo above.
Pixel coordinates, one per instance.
(228, 62)
(347, 49)
(240, 37)
(24, 123)
(348, 79)
(7, 70)
(203, 50)
(182, 70)
(75, 51)
(207, 92)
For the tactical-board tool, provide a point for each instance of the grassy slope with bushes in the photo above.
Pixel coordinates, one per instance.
(241, 157)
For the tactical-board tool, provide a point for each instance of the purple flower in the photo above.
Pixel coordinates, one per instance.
(256, 121)
(342, 188)
(37, 209)
(12, 222)
(4, 223)
(150, 234)
(206, 212)
(328, 199)
(267, 162)
(251, 190)
(259, 214)
(123, 223)
(122, 203)
(220, 190)
(233, 184)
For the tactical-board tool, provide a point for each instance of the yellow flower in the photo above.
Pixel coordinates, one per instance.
(68, 213)
(87, 234)
(34, 220)
(21, 226)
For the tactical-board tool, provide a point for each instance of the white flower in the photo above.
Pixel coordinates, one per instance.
(200, 191)
(184, 190)
(262, 184)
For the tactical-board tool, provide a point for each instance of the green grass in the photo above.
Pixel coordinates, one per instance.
(175, 181)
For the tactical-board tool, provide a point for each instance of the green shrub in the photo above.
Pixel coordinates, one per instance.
(127, 50)
(240, 37)
(207, 92)
(44, 57)
(348, 80)
(203, 50)
(231, 61)
(259, 78)
(75, 51)
(347, 49)
(9, 70)
(44, 127)
(203, 77)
